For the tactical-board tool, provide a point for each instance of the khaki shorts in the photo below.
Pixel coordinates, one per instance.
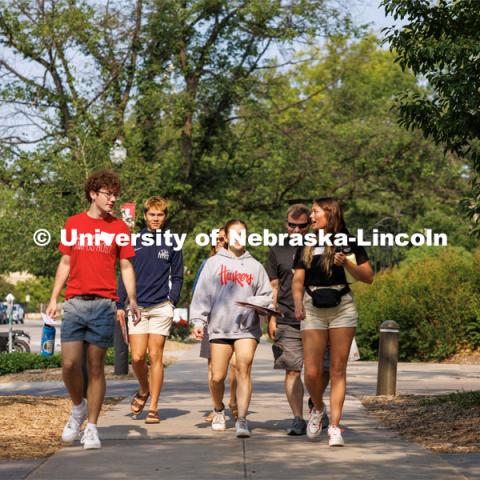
(343, 315)
(155, 320)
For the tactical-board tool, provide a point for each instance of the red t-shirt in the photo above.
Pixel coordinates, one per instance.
(92, 265)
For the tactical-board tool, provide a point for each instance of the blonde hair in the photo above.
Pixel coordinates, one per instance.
(155, 202)
(335, 224)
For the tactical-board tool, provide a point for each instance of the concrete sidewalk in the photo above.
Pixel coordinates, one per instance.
(413, 378)
(184, 447)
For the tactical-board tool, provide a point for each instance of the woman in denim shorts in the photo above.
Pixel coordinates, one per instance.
(327, 312)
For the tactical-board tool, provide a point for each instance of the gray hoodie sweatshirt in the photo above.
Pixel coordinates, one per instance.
(225, 279)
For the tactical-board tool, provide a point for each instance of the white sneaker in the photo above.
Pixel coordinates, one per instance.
(314, 426)
(335, 438)
(90, 439)
(218, 422)
(71, 430)
(241, 425)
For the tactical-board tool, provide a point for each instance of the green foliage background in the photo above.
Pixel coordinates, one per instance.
(433, 296)
(228, 109)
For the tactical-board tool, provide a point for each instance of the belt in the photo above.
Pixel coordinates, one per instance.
(88, 297)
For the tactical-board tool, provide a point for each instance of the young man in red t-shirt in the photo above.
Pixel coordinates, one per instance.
(94, 240)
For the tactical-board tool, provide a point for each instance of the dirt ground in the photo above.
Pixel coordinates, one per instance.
(465, 357)
(30, 426)
(442, 423)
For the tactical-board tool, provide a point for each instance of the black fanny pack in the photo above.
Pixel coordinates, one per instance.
(327, 297)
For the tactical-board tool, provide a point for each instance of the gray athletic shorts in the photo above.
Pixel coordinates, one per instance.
(288, 350)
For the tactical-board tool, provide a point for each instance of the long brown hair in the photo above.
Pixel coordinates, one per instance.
(335, 224)
(230, 223)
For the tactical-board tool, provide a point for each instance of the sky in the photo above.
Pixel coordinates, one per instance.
(368, 11)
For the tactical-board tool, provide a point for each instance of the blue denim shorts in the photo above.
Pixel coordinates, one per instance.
(91, 321)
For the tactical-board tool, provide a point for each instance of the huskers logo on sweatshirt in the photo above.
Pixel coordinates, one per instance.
(237, 277)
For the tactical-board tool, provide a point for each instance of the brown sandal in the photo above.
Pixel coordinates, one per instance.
(138, 403)
(152, 417)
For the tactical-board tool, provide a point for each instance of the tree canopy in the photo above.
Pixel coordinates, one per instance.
(215, 116)
(440, 42)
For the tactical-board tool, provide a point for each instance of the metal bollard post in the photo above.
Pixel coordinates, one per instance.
(388, 358)
(10, 299)
(121, 352)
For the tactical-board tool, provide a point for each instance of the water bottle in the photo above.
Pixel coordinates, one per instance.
(47, 346)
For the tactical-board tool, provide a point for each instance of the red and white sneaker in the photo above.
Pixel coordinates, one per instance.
(335, 438)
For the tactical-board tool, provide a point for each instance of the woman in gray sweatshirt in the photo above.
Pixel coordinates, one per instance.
(230, 276)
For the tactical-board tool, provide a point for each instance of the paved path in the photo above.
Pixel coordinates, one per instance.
(183, 446)
(413, 378)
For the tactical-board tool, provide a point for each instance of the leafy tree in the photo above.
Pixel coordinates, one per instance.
(326, 127)
(439, 41)
(164, 76)
(316, 123)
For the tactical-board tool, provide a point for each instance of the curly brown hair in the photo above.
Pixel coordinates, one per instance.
(102, 179)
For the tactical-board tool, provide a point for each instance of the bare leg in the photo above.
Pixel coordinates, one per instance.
(232, 380)
(221, 355)
(244, 351)
(156, 344)
(340, 342)
(294, 392)
(326, 380)
(72, 358)
(138, 347)
(96, 381)
(314, 345)
(209, 374)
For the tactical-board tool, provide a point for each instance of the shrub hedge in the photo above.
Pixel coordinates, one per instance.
(434, 297)
(19, 361)
(16, 362)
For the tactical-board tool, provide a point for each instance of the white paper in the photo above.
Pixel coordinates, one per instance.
(259, 300)
(49, 321)
(354, 353)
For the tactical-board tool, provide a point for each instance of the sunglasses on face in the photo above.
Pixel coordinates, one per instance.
(220, 239)
(299, 225)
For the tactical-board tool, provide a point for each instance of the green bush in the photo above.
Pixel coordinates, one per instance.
(433, 296)
(110, 357)
(5, 289)
(39, 289)
(19, 361)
